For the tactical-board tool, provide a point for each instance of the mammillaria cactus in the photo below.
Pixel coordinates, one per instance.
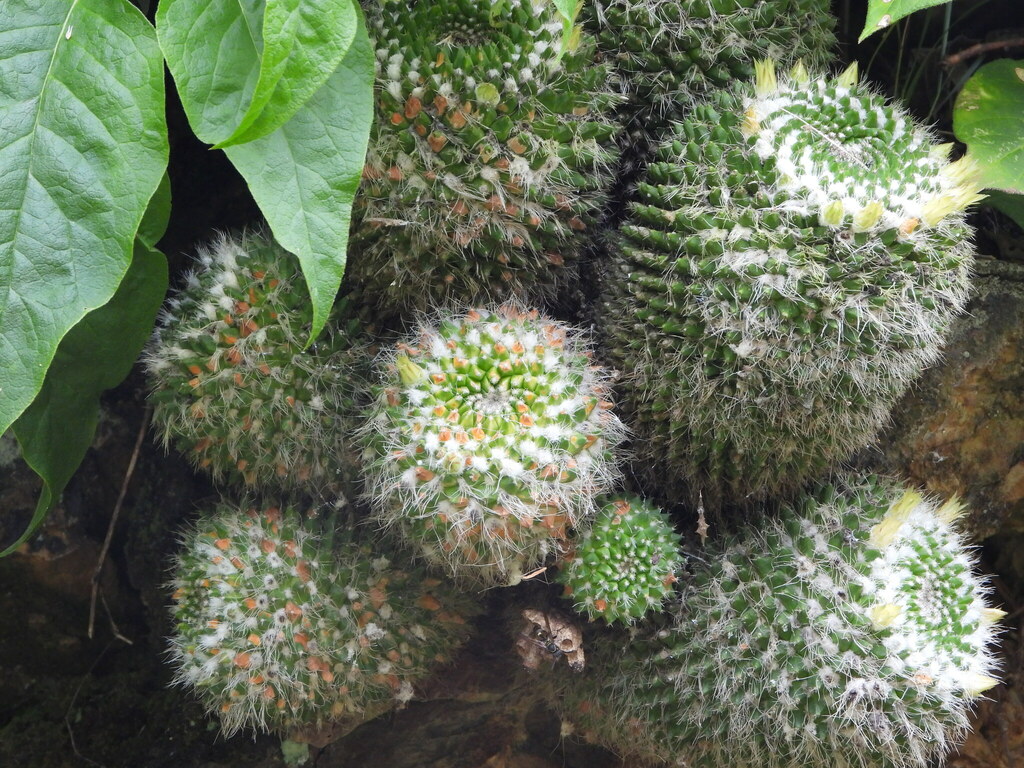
(233, 388)
(489, 438)
(625, 564)
(490, 154)
(275, 631)
(671, 53)
(796, 256)
(851, 632)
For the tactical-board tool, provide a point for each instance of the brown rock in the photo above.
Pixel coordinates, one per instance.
(960, 430)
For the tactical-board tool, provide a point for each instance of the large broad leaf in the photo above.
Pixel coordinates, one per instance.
(882, 13)
(213, 51)
(57, 429)
(244, 68)
(304, 176)
(304, 41)
(83, 145)
(989, 119)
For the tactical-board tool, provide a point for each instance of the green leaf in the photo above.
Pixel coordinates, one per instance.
(213, 51)
(157, 215)
(883, 13)
(57, 429)
(304, 41)
(83, 144)
(989, 119)
(305, 174)
(1011, 205)
(569, 11)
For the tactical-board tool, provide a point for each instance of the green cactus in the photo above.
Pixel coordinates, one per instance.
(275, 629)
(233, 388)
(488, 441)
(491, 152)
(850, 632)
(625, 564)
(795, 258)
(671, 53)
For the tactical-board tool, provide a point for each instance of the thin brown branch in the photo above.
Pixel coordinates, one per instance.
(976, 50)
(110, 532)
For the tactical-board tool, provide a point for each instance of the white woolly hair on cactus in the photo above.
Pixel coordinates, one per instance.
(488, 440)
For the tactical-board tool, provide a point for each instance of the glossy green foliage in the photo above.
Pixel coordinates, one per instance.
(989, 119)
(83, 146)
(285, 86)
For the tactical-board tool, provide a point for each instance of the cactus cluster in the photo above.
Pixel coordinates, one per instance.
(490, 154)
(234, 389)
(277, 627)
(849, 632)
(489, 438)
(624, 566)
(795, 257)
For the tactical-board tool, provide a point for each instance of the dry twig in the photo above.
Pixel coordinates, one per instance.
(110, 534)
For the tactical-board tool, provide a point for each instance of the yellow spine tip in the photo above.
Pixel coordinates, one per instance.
(765, 82)
(990, 616)
(883, 534)
(751, 126)
(951, 511)
(408, 371)
(849, 77)
(978, 684)
(799, 74)
(868, 216)
(884, 615)
(941, 151)
(832, 214)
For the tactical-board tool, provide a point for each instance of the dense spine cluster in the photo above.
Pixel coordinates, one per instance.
(233, 387)
(671, 52)
(276, 629)
(796, 255)
(489, 439)
(624, 566)
(851, 632)
(489, 157)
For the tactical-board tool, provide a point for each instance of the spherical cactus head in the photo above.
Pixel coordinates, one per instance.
(795, 258)
(849, 631)
(624, 566)
(489, 438)
(490, 155)
(281, 625)
(233, 387)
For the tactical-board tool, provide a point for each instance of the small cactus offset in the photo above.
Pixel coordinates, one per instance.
(488, 441)
(625, 564)
(276, 631)
(233, 388)
(490, 155)
(850, 633)
(671, 53)
(796, 256)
